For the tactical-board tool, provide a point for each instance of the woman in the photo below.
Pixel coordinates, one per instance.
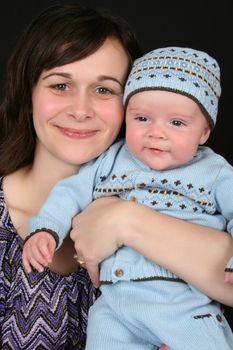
(62, 107)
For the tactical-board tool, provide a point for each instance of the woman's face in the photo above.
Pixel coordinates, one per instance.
(77, 108)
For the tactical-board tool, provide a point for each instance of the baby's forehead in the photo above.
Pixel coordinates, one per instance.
(191, 72)
(163, 96)
(158, 102)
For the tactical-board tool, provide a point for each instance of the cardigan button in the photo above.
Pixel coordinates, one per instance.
(219, 318)
(119, 272)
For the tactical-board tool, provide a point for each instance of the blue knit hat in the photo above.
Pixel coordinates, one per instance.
(190, 72)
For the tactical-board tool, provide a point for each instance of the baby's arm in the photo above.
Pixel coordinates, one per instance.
(57, 212)
(48, 229)
(38, 251)
(67, 198)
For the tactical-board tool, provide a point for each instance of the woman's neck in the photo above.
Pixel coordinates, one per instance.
(29, 187)
(47, 170)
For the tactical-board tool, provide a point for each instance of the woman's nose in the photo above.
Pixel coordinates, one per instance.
(80, 106)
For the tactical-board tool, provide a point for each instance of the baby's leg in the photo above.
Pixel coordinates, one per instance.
(105, 331)
(181, 317)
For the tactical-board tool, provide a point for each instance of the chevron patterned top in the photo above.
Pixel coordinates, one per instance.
(39, 311)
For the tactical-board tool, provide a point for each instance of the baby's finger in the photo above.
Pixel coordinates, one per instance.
(38, 257)
(26, 264)
(46, 254)
(37, 265)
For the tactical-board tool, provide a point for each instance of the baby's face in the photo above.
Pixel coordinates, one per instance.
(164, 129)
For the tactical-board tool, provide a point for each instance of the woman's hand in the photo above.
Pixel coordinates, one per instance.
(93, 236)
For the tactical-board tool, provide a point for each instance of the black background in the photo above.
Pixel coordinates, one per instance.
(199, 24)
(203, 25)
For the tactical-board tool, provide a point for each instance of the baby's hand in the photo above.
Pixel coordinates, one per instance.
(38, 251)
(228, 277)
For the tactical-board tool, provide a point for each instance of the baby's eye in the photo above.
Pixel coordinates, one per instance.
(177, 123)
(142, 118)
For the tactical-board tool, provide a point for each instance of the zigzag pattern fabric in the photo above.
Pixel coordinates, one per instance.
(39, 311)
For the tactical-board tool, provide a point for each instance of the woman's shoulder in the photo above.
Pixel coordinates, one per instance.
(9, 240)
(6, 225)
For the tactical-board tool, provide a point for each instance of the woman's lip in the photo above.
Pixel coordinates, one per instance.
(77, 133)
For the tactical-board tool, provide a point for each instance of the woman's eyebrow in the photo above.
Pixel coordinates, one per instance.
(69, 76)
(64, 75)
(107, 77)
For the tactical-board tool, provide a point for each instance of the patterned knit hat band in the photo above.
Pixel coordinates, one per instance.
(190, 72)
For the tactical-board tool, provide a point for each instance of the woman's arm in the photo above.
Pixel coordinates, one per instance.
(195, 253)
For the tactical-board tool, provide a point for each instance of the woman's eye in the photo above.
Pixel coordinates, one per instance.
(59, 87)
(104, 91)
(107, 93)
